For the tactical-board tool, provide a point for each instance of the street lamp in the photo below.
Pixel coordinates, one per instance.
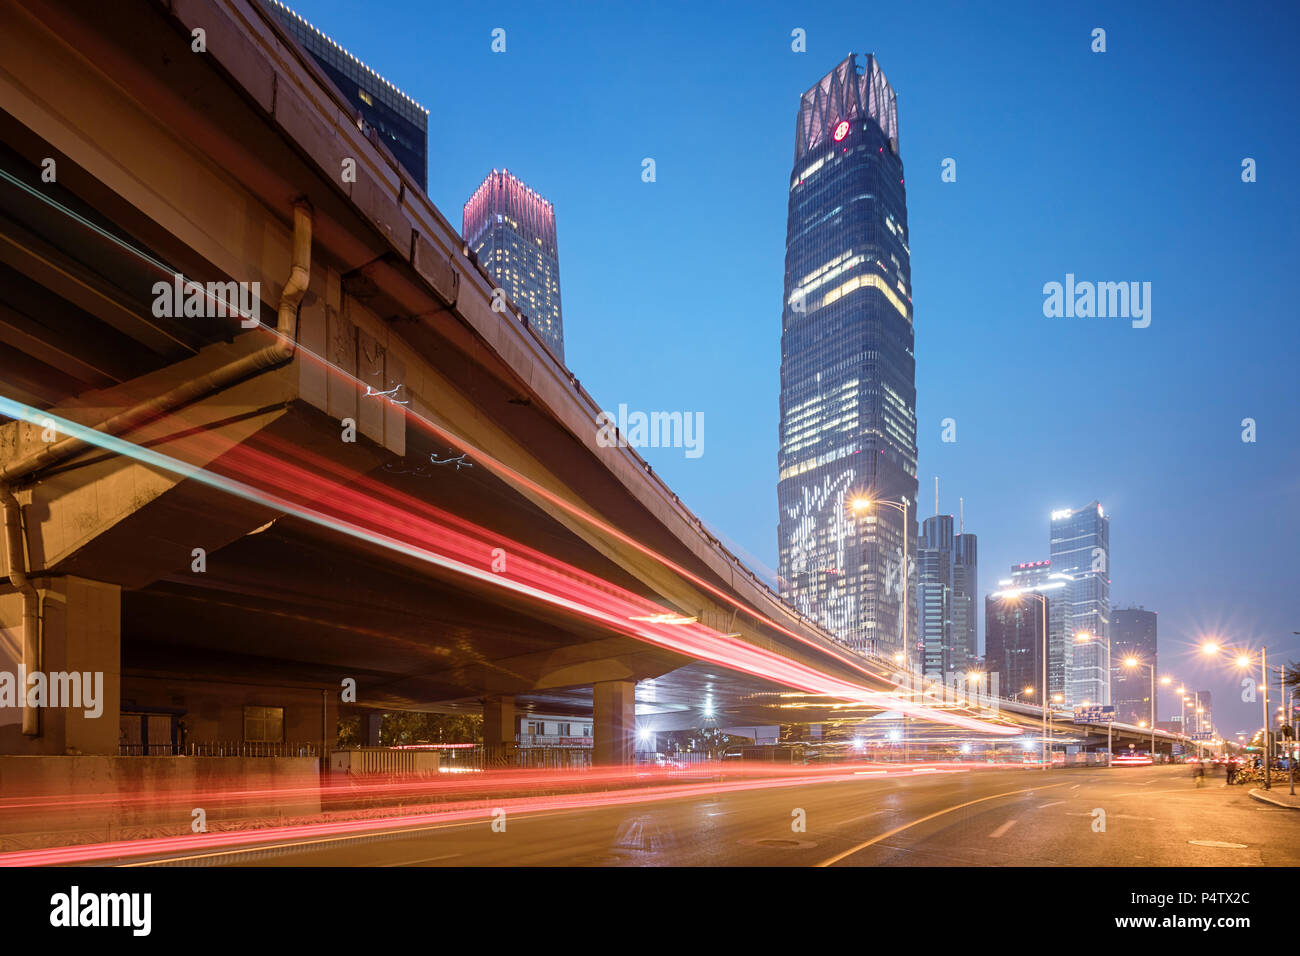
(863, 504)
(1243, 660)
(1131, 662)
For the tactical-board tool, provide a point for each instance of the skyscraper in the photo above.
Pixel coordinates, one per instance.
(1038, 576)
(965, 601)
(1133, 633)
(934, 596)
(1200, 714)
(382, 110)
(848, 394)
(1080, 542)
(1014, 625)
(512, 231)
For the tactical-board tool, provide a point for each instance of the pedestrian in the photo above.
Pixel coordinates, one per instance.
(1230, 768)
(1200, 773)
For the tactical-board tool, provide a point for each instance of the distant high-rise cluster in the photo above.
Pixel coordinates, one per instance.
(1087, 643)
(511, 229)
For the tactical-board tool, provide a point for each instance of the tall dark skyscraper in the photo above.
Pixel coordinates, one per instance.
(965, 601)
(848, 393)
(512, 230)
(1133, 633)
(1014, 626)
(382, 110)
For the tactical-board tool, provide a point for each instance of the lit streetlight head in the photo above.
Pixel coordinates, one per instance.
(860, 504)
(1082, 636)
(1130, 662)
(1209, 647)
(1030, 690)
(1166, 681)
(899, 657)
(1243, 660)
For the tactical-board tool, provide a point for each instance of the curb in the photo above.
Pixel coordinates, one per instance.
(1265, 797)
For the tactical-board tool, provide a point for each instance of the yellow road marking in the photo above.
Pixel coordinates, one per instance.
(938, 813)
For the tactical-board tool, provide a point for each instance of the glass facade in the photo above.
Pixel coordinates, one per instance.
(1133, 633)
(935, 596)
(1038, 576)
(965, 602)
(512, 231)
(848, 395)
(1080, 541)
(1013, 632)
(382, 110)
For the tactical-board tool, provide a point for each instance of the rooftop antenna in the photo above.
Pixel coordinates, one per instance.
(936, 496)
(961, 504)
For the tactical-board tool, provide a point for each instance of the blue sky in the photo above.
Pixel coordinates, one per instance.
(1115, 166)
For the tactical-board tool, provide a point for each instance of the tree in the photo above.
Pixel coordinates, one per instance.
(403, 727)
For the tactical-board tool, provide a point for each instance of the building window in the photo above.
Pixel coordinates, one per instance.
(563, 730)
(264, 724)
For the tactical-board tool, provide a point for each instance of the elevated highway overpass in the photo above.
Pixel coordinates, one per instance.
(366, 475)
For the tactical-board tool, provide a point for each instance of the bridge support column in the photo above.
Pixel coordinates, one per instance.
(499, 742)
(370, 722)
(80, 658)
(614, 726)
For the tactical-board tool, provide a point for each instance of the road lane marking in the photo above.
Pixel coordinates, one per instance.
(906, 826)
(1054, 803)
(1075, 787)
(430, 859)
(1002, 829)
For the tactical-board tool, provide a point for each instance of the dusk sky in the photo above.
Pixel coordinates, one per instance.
(1116, 166)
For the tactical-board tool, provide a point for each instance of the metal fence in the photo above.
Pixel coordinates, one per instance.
(220, 748)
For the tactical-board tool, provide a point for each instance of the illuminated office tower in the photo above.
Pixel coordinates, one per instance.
(512, 231)
(1080, 547)
(848, 394)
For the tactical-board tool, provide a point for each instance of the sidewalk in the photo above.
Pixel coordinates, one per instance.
(1278, 796)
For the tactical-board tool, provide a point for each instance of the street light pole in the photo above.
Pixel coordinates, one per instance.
(1268, 749)
(1045, 698)
(1153, 711)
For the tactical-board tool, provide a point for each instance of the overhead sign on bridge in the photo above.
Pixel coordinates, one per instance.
(1094, 714)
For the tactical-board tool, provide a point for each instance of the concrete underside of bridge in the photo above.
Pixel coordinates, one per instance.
(197, 602)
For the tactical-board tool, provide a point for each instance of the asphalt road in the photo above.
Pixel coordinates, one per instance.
(1152, 815)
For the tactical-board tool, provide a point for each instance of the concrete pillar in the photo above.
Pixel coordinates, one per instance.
(81, 632)
(370, 721)
(614, 726)
(499, 721)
